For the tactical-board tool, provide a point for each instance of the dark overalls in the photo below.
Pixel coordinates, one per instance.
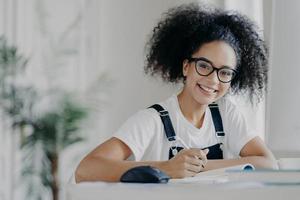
(215, 151)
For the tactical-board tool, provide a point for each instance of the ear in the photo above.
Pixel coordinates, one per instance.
(185, 67)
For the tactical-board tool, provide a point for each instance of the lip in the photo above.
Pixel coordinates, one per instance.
(206, 89)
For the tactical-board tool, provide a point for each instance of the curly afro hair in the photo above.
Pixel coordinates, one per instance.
(184, 29)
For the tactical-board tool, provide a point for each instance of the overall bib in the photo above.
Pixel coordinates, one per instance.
(215, 151)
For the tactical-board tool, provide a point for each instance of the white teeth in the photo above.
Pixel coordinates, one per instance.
(207, 88)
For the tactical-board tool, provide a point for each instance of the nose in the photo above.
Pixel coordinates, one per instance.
(213, 77)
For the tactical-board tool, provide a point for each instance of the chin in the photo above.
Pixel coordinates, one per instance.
(205, 100)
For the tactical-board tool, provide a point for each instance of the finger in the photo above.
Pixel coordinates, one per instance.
(203, 157)
(188, 173)
(201, 162)
(197, 153)
(205, 151)
(194, 168)
(194, 161)
(201, 154)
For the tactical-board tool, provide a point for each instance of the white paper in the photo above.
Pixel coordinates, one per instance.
(213, 176)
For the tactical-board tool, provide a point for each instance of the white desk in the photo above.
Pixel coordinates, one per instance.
(196, 191)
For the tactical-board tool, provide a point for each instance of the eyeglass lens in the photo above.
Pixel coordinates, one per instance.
(204, 68)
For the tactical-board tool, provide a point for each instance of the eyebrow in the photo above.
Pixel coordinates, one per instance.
(210, 62)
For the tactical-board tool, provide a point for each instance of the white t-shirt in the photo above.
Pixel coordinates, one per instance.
(145, 136)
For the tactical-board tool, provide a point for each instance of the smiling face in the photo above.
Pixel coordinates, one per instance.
(207, 89)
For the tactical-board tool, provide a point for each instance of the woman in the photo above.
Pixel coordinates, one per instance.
(212, 52)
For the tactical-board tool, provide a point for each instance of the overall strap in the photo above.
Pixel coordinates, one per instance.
(214, 109)
(165, 118)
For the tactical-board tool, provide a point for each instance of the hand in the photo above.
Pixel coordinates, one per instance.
(187, 163)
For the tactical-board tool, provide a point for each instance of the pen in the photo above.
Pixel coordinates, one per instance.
(187, 147)
(183, 143)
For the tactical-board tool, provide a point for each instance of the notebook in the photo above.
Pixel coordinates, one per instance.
(214, 176)
(266, 177)
(244, 174)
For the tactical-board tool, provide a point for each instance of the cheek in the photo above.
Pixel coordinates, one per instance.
(192, 79)
(224, 88)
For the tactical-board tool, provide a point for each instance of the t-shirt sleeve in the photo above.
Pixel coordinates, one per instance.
(138, 131)
(238, 132)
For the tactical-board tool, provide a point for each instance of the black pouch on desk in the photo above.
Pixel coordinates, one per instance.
(144, 174)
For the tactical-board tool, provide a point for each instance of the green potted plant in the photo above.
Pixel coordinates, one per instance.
(43, 135)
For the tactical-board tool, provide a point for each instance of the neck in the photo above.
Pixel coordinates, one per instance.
(192, 110)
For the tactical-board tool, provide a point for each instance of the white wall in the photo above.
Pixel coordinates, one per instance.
(125, 26)
(284, 93)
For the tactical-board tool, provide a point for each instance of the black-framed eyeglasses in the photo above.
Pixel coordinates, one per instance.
(205, 67)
